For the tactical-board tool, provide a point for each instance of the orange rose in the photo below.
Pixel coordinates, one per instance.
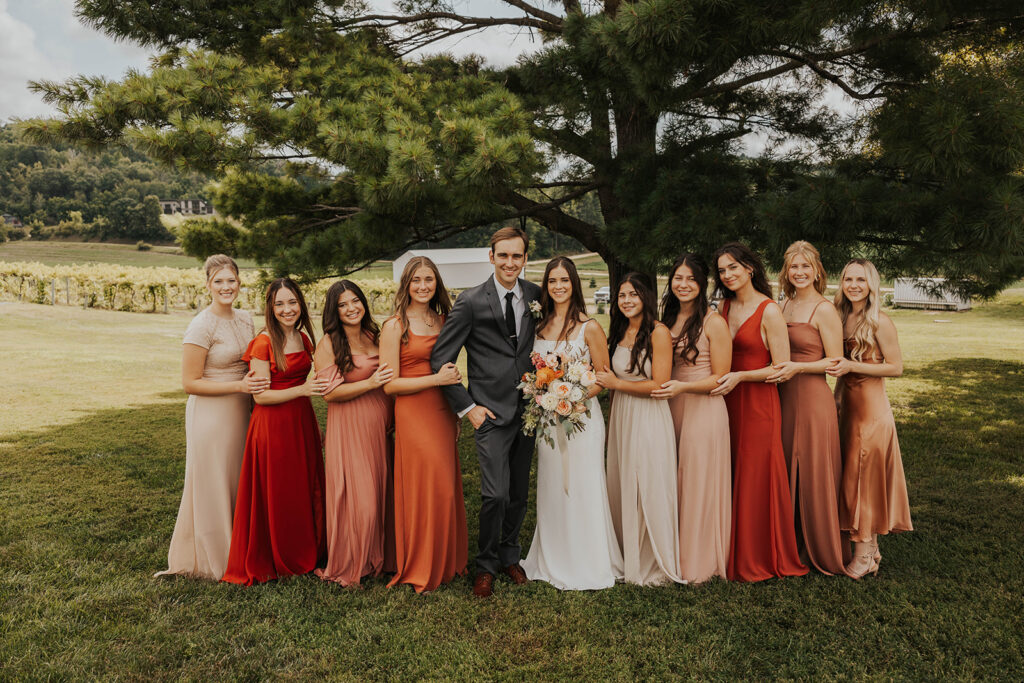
(544, 376)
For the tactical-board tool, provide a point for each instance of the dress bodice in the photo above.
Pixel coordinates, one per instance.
(298, 362)
(683, 370)
(748, 349)
(855, 378)
(225, 342)
(575, 347)
(620, 366)
(414, 357)
(805, 344)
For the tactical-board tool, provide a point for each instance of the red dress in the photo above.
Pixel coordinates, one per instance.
(279, 514)
(763, 541)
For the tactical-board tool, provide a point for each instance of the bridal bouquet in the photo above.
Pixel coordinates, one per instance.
(555, 394)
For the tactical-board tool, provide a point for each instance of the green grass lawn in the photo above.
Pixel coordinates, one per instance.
(91, 464)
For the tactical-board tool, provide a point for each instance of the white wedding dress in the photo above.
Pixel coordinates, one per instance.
(574, 545)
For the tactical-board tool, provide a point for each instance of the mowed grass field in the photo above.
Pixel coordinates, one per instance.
(91, 464)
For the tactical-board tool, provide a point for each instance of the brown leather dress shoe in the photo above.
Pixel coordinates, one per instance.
(483, 585)
(517, 574)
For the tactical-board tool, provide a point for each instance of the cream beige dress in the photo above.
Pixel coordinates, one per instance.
(215, 428)
(642, 481)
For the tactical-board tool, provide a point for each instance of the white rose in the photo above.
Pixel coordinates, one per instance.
(588, 378)
(551, 360)
(548, 401)
(576, 395)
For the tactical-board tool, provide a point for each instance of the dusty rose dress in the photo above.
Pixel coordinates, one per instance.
(704, 472)
(874, 496)
(215, 428)
(356, 454)
(810, 438)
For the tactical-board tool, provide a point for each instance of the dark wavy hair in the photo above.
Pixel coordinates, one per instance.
(670, 307)
(334, 328)
(746, 257)
(274, 329)
(577, 304)
(643, 347)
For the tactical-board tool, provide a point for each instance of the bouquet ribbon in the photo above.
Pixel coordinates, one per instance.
(563, 450)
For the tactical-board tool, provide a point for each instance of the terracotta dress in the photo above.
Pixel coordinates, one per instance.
(356, 451)
(642, 481)
(874, 496)
(704, 472)
(431, 539)
(279, 516)
(215, 428)
(810, 438)
(763, 544)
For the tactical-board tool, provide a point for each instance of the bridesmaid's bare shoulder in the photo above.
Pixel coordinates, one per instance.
(715, 324)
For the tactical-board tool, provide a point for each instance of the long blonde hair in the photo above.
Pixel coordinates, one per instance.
(440, 303)
(864, 340)
(807, 250)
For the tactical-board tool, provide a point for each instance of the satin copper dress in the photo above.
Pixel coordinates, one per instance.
(874, 494)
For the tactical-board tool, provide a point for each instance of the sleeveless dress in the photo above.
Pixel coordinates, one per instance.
(874, 497)
(356, 451)
(574, 545)
(810, 438)
(215, 429)
(279, 516)
(642, 480)
(431, 538)
(704, 472)
(763, 544)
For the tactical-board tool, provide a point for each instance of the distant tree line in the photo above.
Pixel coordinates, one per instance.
(60, 191)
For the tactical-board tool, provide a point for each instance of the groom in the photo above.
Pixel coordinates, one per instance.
(493, 322)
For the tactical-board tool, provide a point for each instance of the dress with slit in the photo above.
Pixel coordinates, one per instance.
(763, 542)
(810, 438)
(642, 480)
(279, 516)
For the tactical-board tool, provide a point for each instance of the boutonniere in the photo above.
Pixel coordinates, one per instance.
(535, 309)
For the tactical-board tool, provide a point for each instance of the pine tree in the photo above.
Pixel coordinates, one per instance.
(648, 105)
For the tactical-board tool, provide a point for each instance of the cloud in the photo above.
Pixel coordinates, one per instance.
(21, 61)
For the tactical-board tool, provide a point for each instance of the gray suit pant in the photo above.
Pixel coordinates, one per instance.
(505, 455)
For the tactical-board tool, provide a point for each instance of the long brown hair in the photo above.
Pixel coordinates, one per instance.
(746, 257)
(643, 347)
(577, 304)
(335, 329)
(670, 306)
(440, 303)
(864, 330)
(273, 327)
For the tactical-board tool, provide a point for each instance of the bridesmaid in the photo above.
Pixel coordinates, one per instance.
(214, 376)
(641, 438)
(431, 539)
(874, 495)
(763, 544)
(279, 516)
(810, 428)
(356, 449)
(702, 353)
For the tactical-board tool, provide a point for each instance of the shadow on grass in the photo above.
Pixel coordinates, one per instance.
(89, 509)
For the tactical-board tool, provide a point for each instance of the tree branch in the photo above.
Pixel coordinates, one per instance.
(392, 20)
(535, 11)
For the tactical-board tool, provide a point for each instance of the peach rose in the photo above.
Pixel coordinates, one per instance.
(564, 407)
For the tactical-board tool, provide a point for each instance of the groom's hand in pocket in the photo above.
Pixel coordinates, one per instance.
(477, 416)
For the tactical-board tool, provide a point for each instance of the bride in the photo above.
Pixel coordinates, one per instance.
(574, 545)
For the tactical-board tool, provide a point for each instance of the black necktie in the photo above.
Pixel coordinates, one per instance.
(510, 317)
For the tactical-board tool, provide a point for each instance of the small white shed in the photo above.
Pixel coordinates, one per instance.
(460, 268)
(921, 292)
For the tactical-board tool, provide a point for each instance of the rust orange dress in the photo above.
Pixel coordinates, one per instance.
(763, 544)
(279, 514)
(874, 496)
(810, 438)
(431, 539)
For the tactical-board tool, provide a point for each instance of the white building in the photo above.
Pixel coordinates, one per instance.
(460, 268)
(186, 207)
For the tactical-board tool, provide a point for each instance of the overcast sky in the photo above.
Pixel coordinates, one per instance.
(42, 39)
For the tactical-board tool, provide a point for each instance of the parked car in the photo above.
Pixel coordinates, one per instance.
(602, 295)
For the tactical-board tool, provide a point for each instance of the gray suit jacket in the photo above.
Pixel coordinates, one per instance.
(477, 322)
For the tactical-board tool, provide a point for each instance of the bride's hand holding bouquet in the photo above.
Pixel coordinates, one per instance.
(557, 394)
